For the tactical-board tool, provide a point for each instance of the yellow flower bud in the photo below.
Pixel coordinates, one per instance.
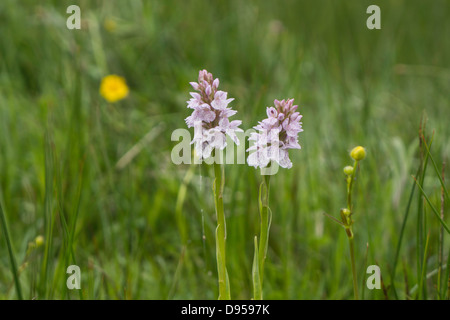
(39, 241)
(345, 215)
(358, 153)
(348, 170)
(110, 25)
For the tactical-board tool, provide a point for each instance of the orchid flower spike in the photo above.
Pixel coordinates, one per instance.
(276, 135)
(210, 116)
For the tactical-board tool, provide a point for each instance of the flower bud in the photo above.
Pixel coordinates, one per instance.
(216, 83)
(208, 90)
(39, 241)
(358, 153)
(110, 25)
(348, 170)
(345, 215)
(194, 85)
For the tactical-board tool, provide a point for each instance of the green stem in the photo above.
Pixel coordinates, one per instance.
(352, 257)
(11, 252)
(221, 234)
(350, 186)
(350, 231)
(266, 218)
(257, 290)
(265, 224)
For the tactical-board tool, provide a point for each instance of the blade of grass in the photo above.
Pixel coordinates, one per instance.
(447, 275)
(48, 215)
(12, 257)
(441, 240)
(421, 222)
(424, 264)
(441, 180)
(402, 231)
(429, 275)
(363, 287)
(436, 213)
(423, 268)
(179, 216)
(334, 219)
(405, 277)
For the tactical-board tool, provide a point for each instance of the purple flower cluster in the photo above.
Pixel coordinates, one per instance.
(277, 134)
(210, 116)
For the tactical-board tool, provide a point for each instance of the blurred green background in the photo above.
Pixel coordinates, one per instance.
(144, 229)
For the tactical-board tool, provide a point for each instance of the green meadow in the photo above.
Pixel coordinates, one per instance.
(95, 181)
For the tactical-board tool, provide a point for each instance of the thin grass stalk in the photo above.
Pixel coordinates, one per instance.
(441, 239)
(419, 232)
(12, 257)
(433, 209)
(421, 216)
(402, 231)
(424, 271)
(441, 178)
(350, 231)
(447, 276)
(48, 214)
(419, 239)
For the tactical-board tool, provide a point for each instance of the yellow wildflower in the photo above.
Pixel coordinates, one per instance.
(113, 88)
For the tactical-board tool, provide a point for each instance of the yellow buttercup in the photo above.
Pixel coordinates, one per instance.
(113, 88)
